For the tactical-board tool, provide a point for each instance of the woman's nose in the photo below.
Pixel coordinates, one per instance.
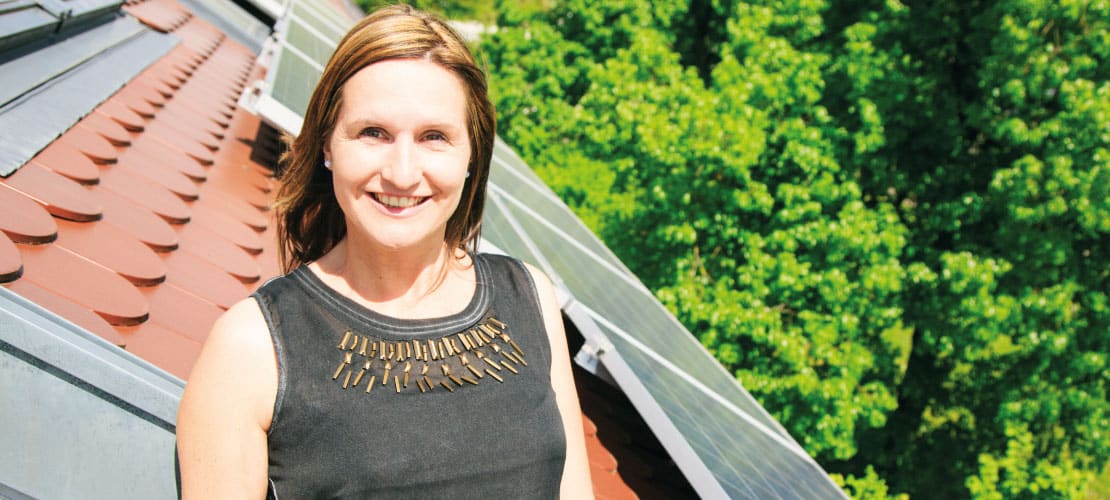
(402, 170)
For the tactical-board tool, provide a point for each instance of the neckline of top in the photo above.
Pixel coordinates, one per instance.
(365, 320)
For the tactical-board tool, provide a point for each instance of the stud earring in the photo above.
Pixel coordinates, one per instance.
(327, 164)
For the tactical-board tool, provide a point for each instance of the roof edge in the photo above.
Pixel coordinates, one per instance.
(55, 345)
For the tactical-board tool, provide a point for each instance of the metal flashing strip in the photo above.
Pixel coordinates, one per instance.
(28, 72)
(31, 122)
(32, 333)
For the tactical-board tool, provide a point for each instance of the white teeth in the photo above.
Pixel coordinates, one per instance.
(397, 201)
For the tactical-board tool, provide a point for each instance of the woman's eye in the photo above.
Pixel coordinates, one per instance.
(435, 136)
(372, 132)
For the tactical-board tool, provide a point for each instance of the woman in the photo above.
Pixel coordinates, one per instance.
(391, 360)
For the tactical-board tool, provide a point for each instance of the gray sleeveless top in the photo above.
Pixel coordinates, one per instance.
(374, 406)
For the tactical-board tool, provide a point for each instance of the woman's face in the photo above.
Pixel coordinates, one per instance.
(399, 152)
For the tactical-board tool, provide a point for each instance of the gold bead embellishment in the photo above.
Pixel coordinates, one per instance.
(450, 362)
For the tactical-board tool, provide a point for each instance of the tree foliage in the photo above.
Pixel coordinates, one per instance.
(888, 220)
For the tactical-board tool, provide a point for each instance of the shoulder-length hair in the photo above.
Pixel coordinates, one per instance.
(309, 220)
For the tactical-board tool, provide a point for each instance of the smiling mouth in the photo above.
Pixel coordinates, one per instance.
(398, 201)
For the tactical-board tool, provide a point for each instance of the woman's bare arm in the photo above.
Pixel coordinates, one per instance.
(576, 474)
(226, 409)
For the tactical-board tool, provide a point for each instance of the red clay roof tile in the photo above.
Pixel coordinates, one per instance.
(152, 152)
(107, 128)
(187, 145)
(203, 279)
(228, 228)
(184, 313)
(160, 173)
(23, 220)
(154, 84)
(58, 195)
(161, 346)
(76, 313)
(114, 249)
(185, 131)
(146, 193)
(164, 16)
(180, 112)
(122, 115)
(137, 220)
(92, 144)
(81, 280)
(235, 207)
(66, 160)
(210, 246)
(11, 265)
(136, 104)
(146, 93)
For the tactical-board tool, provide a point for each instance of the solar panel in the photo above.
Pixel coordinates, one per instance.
(715, 430)
(725, 443)
(305, 36)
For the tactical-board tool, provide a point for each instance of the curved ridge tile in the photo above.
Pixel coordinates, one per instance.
(66, 160)
(228, 228)
(91, 144)
(210, 246)
(147, 194)
(122, 115)
(162, 347)
(154, 152)
(75, 313)
(11, 264)
(160, 173)
(181, 311)
(203, 279)
(109, 129)
(89, 284)
(114, 249)
(137, 220)
(60, 196)
(23, 220)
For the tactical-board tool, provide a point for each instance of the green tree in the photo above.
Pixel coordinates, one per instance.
(888, 220)
(985, 124)
(726, 202)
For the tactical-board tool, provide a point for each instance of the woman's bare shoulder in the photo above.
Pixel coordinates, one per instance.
(238, 348)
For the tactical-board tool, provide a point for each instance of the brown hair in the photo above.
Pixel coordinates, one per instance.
(309, 220)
